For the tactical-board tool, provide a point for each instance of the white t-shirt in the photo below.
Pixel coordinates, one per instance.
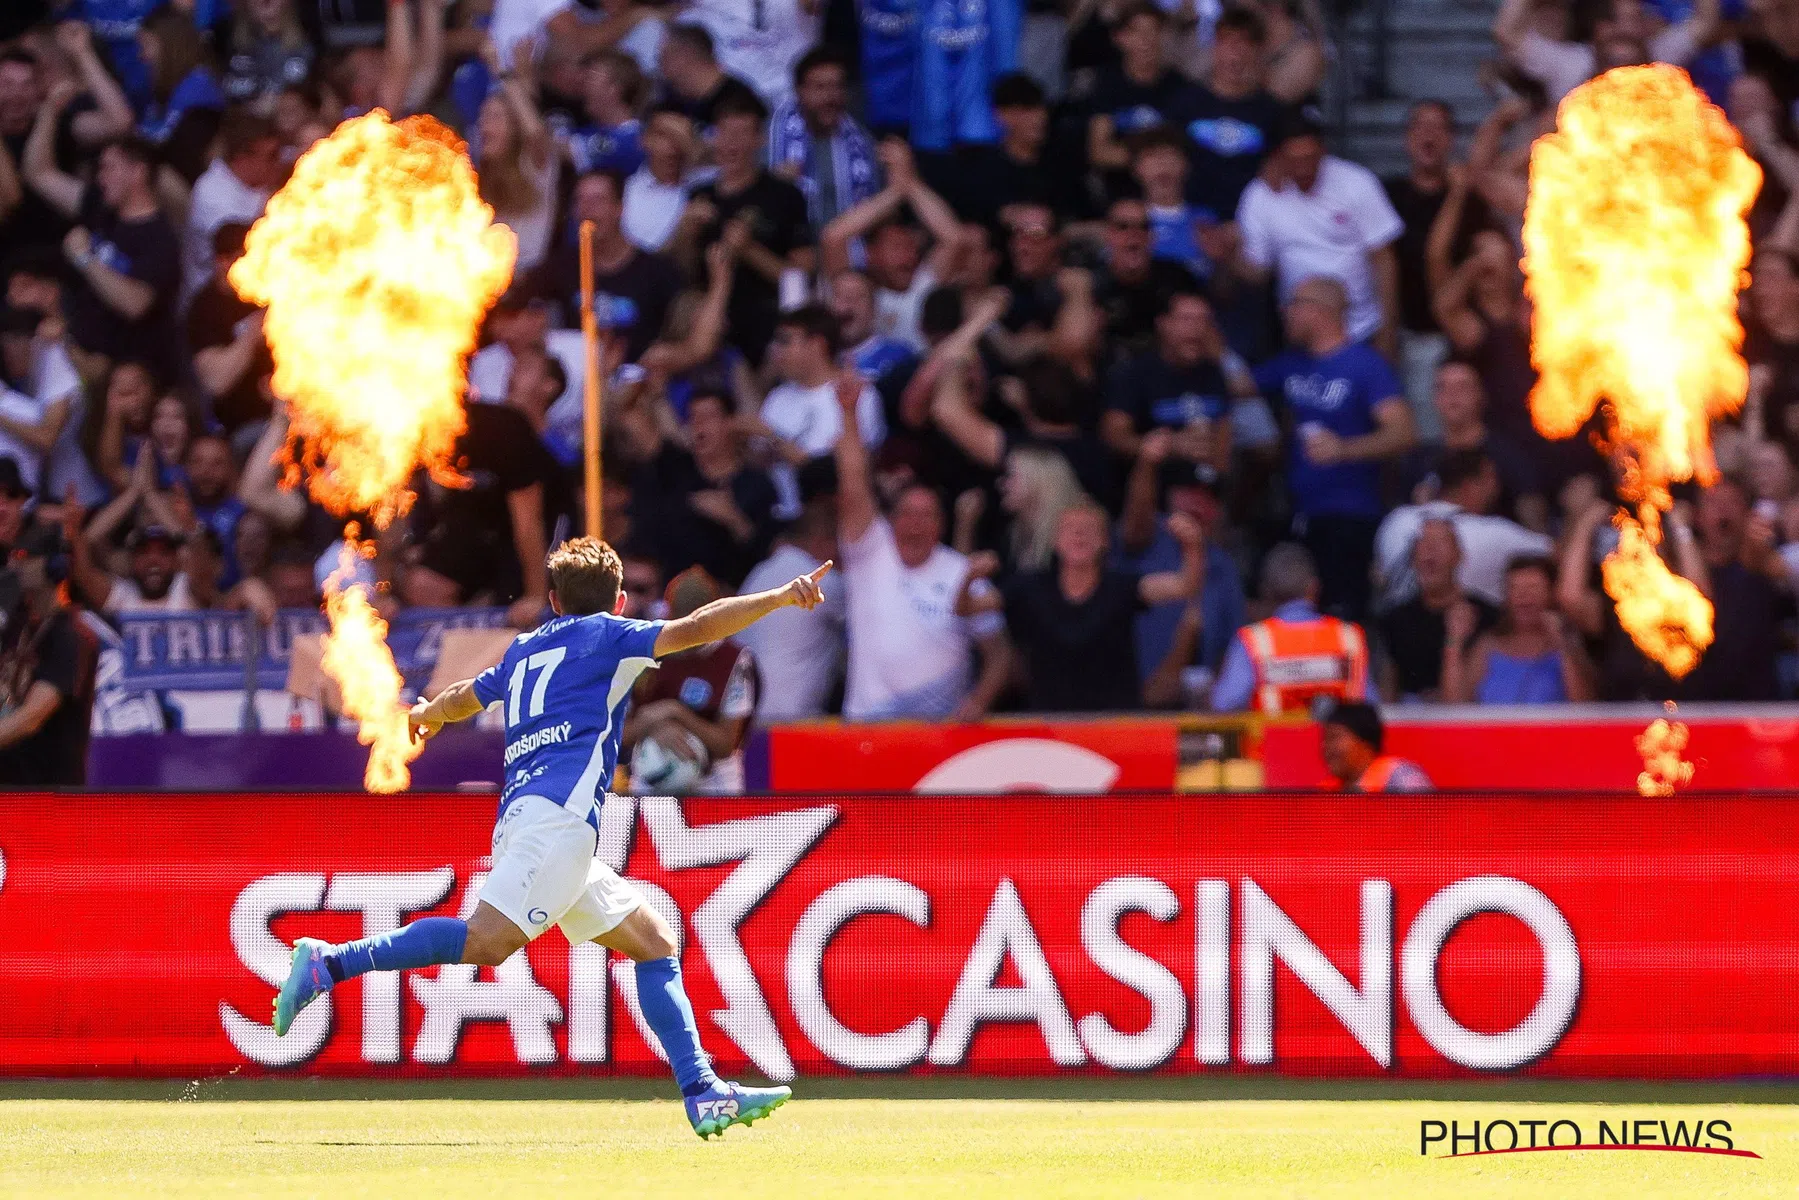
(758, 40)
(644, 42)
(219, 198)
(1488, 544)
(1329, 230)
(26, 410)
(490, 370)
(652, 210)
(800, 653)
(908, 650)
(515, 21)
(1563, 66)
(54, 377)
(897, 313)
(811, 419)
(125, 597)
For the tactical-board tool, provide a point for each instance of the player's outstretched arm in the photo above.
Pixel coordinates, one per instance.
(722, 618)
(457, 702)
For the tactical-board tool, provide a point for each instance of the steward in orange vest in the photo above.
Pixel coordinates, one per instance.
(1301, 657)
(1298, 658)
(1353, 737)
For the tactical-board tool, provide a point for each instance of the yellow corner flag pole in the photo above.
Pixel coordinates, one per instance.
(593, 388)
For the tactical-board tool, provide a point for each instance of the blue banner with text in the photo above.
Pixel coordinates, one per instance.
(212, 650)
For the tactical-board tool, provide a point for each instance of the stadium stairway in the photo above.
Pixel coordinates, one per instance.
(1433, 50)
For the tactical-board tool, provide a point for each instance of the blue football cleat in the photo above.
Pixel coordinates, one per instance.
(307, 980)
(725, 1104)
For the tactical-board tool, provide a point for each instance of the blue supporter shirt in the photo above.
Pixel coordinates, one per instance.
(197, 89)
(1171, 237)
(878, 355)
(1716, 67)
(889, 53)
(1339, 392)
(565, 686)
(115, 24)
(606, 148)
(222, 518)
(1222, 607)
(963, 46)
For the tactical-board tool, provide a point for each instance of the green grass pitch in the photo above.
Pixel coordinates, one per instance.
(973, 1144)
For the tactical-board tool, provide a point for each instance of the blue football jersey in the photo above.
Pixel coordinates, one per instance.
(879, 355)
(963, 46)
(115, 24)
(565, 686)
(606, 148)
(889, 50)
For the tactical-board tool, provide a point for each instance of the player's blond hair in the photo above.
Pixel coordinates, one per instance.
(586, 576)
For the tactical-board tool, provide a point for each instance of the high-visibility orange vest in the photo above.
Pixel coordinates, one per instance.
(1296, 662)
(1380, 773)
(1378, 777)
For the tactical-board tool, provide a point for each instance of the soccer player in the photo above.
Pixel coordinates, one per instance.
(565, 686)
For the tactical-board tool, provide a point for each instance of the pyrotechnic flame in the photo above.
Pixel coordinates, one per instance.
(376, 264)
(1634, 247)
(1661, 747)
(1666, 614)
(357, 657)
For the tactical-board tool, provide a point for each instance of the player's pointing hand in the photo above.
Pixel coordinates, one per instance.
(423, 722)
(807, 592)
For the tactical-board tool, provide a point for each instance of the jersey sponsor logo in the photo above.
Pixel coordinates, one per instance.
(1136, 118)
(936, 607)
(114, 258)
(1185, 408)
(115, 31)
(1227, 136)
(695, 692)
(956, 27)
(594, 147)
(1315, 391)
(534, 741)
(537, 916)
(614, 312)
(890, 24)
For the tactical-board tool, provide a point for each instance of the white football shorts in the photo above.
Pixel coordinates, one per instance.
(544, 873)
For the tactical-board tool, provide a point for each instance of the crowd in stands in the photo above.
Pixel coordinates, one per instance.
(1059, 329)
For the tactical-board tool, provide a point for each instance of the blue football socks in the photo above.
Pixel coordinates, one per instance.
(423, 943)
(665, 1007)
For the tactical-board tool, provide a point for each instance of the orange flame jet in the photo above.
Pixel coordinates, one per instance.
(1635, 246)
(376, 263)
